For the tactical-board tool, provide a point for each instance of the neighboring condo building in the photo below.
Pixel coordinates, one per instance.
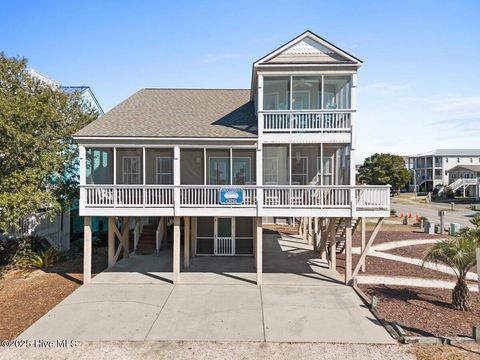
(431, 170)
(465, 180)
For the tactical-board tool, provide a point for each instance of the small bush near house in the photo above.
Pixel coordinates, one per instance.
(13, 249)
(448, 192)
(393, 212)
(41, 259)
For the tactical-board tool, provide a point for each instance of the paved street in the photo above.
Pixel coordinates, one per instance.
(461, 215)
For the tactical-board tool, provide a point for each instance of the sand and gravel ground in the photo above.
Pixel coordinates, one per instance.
(246, 350)
(213, 350)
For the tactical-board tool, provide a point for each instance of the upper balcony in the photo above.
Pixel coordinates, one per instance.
(317, 108)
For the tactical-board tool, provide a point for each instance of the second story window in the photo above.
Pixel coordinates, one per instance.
(164, 170)
(131, 169)
(276, 93)
(307, 92)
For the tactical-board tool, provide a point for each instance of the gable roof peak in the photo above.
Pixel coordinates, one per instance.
(308, 45)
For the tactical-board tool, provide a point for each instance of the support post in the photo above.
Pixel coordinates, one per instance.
(478, 267)
(348, 250)
(333, 244)
(254, 238)
(323, 238)
(362, 247)
(304, 228)
(176, 179)
(186, 242)
(193, 234)
(310, 232)
(176, 249)
(125, 240)
(111, 241)
(367, 247)
(87, 249)
(259, 250)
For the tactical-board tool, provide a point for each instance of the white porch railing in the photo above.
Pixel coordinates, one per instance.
(128, 196)
(307, 121)
(208, 196)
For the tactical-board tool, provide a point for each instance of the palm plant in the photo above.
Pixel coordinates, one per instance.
(41, 259)
(476, 221)
(459, 254)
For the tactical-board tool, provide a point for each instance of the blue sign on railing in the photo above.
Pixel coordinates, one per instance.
(231, 196)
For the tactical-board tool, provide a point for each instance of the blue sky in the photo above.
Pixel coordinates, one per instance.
(419, 87)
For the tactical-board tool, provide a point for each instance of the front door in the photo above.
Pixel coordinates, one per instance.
(224, 238)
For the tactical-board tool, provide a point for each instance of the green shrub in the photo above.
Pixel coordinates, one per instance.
(13, 249)
(41, 259)
(448, 192)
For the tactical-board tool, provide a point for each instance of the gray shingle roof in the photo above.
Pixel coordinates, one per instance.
(451, 152)
(475, 168)
(179, 113)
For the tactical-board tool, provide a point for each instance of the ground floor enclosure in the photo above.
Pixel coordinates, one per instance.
(224, 236)
(188, 238)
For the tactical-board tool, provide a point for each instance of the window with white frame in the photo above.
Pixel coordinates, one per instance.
(299, 170)
(131, 170)
(241, 170)
(163, 173)
(328, 170)
(270, 171)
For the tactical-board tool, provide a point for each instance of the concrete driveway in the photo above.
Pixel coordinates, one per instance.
(300, 301)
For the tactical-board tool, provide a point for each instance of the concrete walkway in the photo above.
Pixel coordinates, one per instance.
(410, 282)
(217, 300)
(378, 251)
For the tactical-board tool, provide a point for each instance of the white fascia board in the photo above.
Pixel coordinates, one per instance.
(313, 37)
(307, 72)
(132, 138)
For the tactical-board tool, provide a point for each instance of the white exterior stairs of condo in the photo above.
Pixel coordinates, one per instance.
(461, 183)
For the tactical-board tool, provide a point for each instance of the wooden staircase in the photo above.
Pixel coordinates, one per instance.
(147, 240)
(340, 234)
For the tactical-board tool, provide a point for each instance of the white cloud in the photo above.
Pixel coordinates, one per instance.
(458, 106)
